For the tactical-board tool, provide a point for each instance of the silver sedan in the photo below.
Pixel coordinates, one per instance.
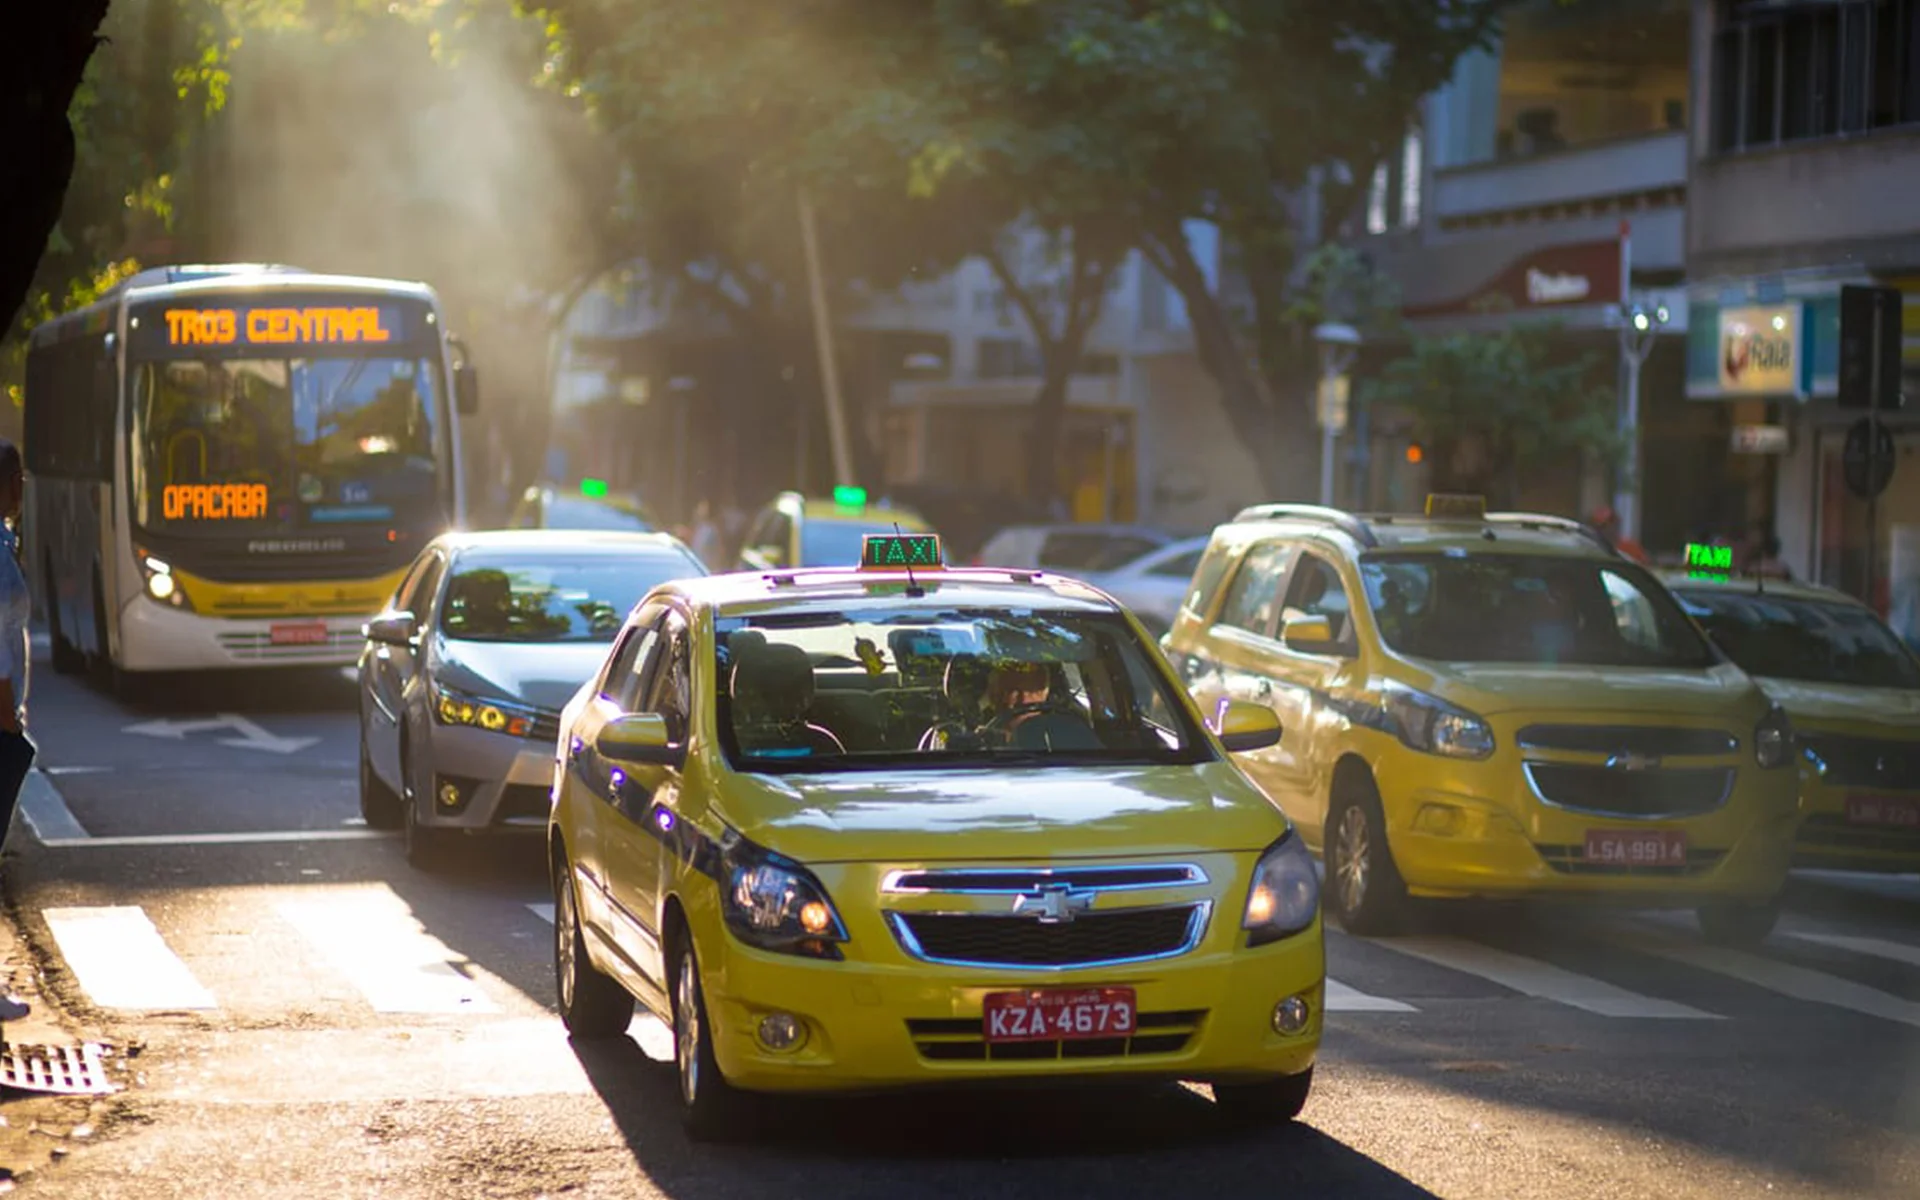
(463, 676)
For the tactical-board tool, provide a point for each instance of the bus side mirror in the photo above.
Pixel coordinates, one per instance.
(466, 389)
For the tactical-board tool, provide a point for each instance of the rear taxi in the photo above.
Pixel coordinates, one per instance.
(794, 531)
(897, 825)
(1491, 705)
(1852, 688)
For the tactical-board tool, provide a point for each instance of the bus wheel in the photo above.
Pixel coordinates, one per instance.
(119, 683)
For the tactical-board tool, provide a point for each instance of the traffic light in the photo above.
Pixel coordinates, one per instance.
(1865, 312)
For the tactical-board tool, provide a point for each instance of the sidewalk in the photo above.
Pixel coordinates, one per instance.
(38, 1130)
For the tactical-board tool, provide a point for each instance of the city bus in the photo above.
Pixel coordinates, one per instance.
(231, 466)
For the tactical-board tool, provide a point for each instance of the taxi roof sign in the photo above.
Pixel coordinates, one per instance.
(1456, 506)
(1709, 562)
(850, 497)
(593, 487)
(901, 551)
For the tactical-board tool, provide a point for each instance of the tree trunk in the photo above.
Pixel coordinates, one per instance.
(1047, 435)
(44, 48)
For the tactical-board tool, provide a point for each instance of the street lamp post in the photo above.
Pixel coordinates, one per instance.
(1639, 328)
(1339, 344)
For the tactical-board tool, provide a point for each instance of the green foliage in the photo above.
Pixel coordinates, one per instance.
(1493, 404)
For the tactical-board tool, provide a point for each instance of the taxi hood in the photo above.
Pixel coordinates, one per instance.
(978, 814)
(1845, 708)
(1493, 688)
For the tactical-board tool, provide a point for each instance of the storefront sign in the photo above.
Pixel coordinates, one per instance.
(1573, 273)
(1760, 439)
(1760, 350)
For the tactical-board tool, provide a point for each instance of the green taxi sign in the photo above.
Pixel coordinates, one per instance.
(593, 487)
(900, 551)
(850, 497)
(1709, 562)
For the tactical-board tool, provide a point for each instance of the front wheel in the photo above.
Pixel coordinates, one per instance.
(426, 847)
(1364, 890)
(711, 1108)
(1738, 923)
(1260, 1105)
(379, 804)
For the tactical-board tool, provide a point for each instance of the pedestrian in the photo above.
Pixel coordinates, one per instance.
(706, 536)
(16, 609)
(1606, 523)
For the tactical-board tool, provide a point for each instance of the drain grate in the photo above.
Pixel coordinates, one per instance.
(62, 1070)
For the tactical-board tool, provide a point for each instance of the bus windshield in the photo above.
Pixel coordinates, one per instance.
(278, 445)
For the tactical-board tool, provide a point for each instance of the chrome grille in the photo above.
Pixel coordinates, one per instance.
(1651, 741)
(961, 1040)
(1657, 792)
(1015, 880)
(1090, 939)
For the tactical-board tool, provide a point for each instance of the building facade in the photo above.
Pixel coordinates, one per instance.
(1806, 151)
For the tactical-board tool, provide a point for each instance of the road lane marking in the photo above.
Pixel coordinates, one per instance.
(222, 839)
(1899, 952)
(1341, 998)
(1541, 980)
(543, 911)
(373, 938)
(122, 961)
(1785, 979)
(46, 813)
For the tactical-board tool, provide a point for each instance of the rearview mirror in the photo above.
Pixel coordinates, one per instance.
(392, 629)
(639, 738)
(1246, 726)
(1308, 634)
(466, 389)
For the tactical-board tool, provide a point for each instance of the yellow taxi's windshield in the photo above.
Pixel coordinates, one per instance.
(1812, 641)
(1520, 608)
(930, 688)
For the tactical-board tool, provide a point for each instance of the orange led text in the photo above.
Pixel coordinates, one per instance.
(269, 326)
(215, 501)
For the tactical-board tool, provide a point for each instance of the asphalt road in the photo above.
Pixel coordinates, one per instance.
(302, 1014)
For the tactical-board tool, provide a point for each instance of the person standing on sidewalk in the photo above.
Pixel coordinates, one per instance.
(16, 609)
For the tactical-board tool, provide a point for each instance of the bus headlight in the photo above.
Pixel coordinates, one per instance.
(160, 583)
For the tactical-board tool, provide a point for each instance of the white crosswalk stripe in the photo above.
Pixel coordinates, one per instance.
(1786, 979)
(1542, 980)
(121, 961)
(1341, 998)
(373, 939)
(1899, 952)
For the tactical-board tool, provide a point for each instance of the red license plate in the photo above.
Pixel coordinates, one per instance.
(313, 634)
(1899, 812)
(1637, 847)
(1059, 1014)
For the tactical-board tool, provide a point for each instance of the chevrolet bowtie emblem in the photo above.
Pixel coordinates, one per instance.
(1052, 903)
(1633, 762)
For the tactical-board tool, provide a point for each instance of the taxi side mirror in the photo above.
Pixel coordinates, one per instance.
(392, 629)
(1246, 726)
(1308, 634)
(639, 738)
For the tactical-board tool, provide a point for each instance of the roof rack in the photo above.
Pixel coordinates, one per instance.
(1345, 522)
(1524, 520)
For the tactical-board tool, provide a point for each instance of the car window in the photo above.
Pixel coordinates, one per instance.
(667, 680)
(403, 595)
(1527, 608)
(426, 587)
(934, 687)
(1092, 550)
(566, 512)
(1815, 641)
(1180, 566)
(837, 541)
(502, 596)
(1253, 599)
(1316, 591)
(1208, 577)
(622, 680)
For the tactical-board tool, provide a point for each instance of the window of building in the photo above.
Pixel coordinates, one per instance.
(1784, 74)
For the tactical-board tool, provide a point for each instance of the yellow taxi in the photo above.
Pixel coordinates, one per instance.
(1852, 688)
(898, 824)
(1491, 705)
(794, 531)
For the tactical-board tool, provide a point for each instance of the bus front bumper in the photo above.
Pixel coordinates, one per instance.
(156, 637)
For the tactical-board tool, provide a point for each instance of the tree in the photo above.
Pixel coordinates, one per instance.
(1494, 407)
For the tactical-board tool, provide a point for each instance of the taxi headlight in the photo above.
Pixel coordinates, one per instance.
(452, 707)
(773, 903)
(1773, 739)
(1430, 724)
(1285, 894)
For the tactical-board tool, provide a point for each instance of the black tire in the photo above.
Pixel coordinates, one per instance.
(379, 804)
(1738, 923)
(426, 847)
(1265, 1104)
(711, 1109)
(123, 685)
(592, 1005)
(1364, 891)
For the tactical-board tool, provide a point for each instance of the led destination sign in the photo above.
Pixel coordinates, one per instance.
(278, 325)
(275, 326)
(214, 501)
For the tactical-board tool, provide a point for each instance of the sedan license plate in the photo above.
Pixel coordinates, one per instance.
(1637, 847)
(1897, 812)
(1058, 1014)
(312, 633)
